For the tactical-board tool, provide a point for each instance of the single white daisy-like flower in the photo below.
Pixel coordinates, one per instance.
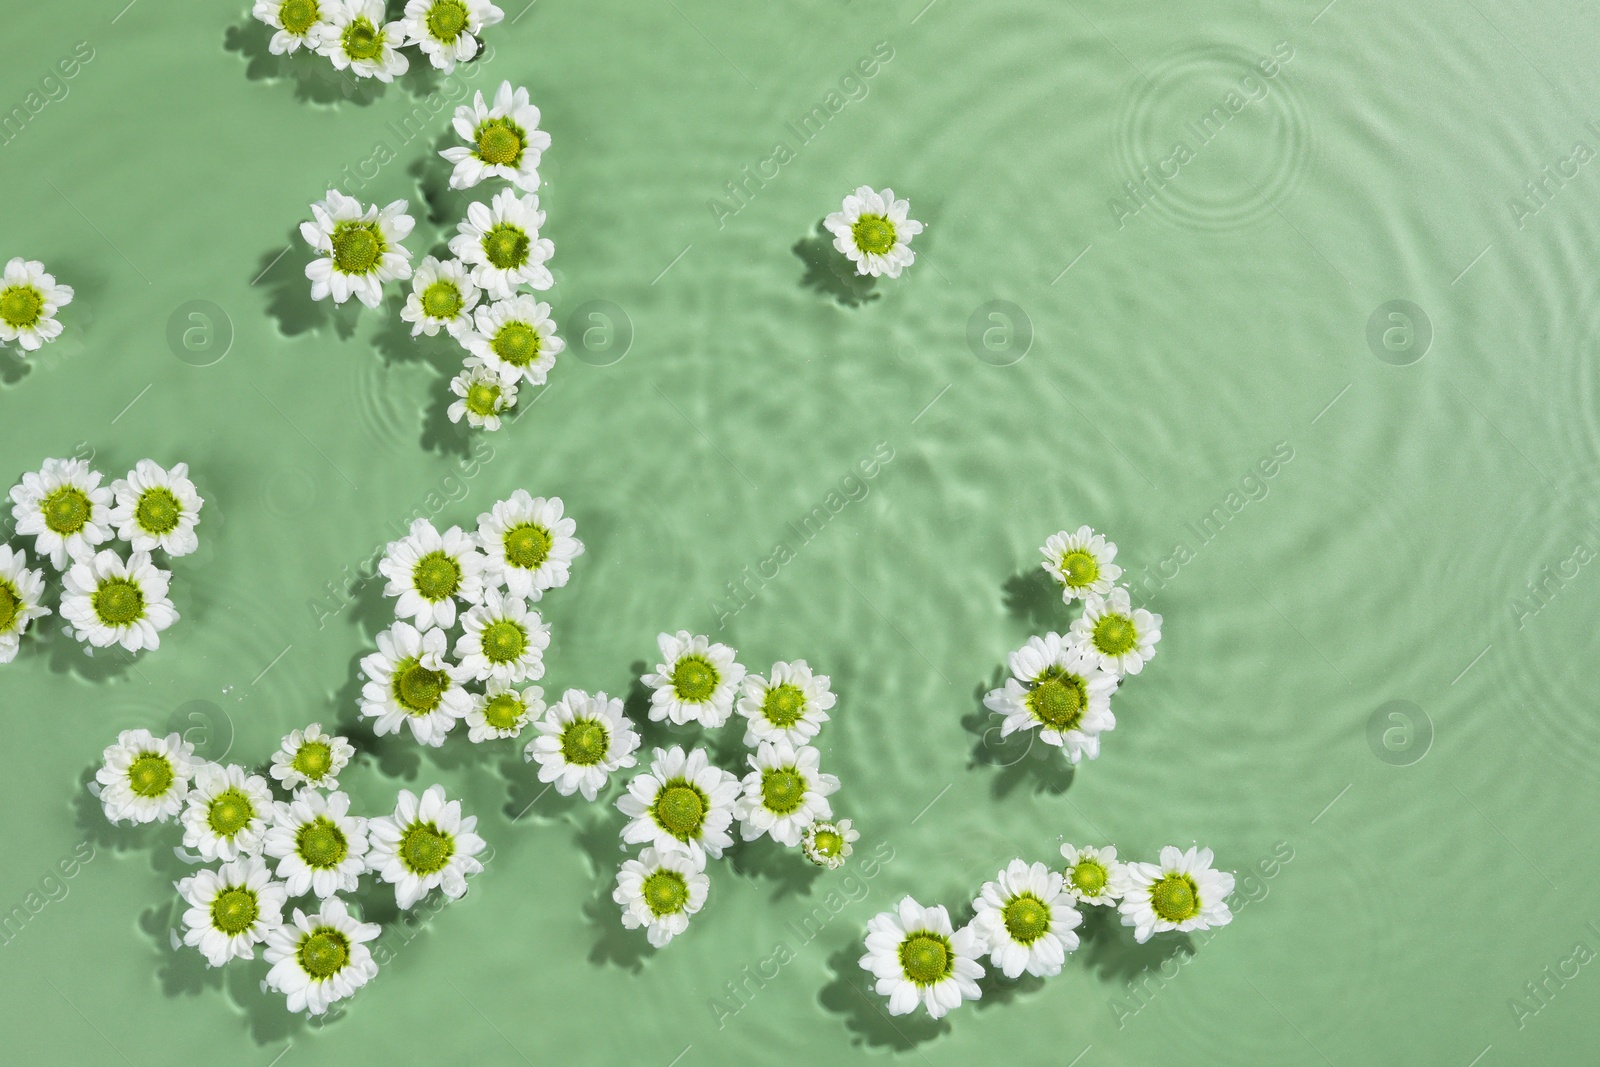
(1059, 691)
(442, 295)
(784, 793)
(157, 508)
(506, 141)
(789, 706)
(1093, 875)
(696, 680)
(29, 300)
(227, 813)
(20, 590)
(681, 804)
(516, 338)
(659, 891)
(429, 571)
(446, 30)
(145, 778)
(1081, 563)
(354, 36)
(918, 958)
(484, 394)
(502, 640)
(358, 248)
(1026, 920)
(874, 230)
(427, 842)
(582, 739)
(1115, 634)
(66, 509)
(322, 958)
(501, 711)
(500, 241)
(312, 758)
(231, 909)
(529, 544)
(829, 844)
(111, 601)
(410, 683)
(320, 847)
(296, 23)
(1182, 892)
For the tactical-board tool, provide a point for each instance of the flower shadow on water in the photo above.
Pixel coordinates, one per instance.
(316, 79)
(787, 868)
(14, 365)
(828, 272)
(1021, 760)
(99, 831)
(1032, 597)
(616, 946)
(280, 272)
(70, 656)
(1108, 949)
(866, 1014)
(398, 756)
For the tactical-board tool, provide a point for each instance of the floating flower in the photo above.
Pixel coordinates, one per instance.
(425, 843)
(66, 509)
(1026, 920)
(918, 958)
(410, 683)
(359, 247)
(500, 241)
(505, 140)
(20, 590)
(659, 891)
(297, 23)
(442, 295)
(231, 909)
(503, 640)
(312, 758)
(430, 571)
(29, 300)
(874, 230)
(529, 544)
(582, 740)
(322, 958)
(145, 778)
(446, 30)
(1182, 892)
(484, 396)
(681, 804)
(829, 844)
(1059, 691)
(696, 681)
(515, 338)
(1093, 875)
(1115, 634)
(500, 712)
(784, 794)
(1081, 563)
(110, 601)
(355, 37)
(227, 813)
(157, 508)
(790, 706)
(320, 847)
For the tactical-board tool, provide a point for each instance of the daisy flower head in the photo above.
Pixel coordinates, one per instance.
(231, 909)
(410, 683)
(516, 338)
(829, 844)
(144, 778)
(1059, 691)
(582, 740)
(65, 508)
(529, 544)
(696, 680)
(791, 705)
(358, 247)
(20, 590)
(442, 296)
(1182, 892)
(427, 842)
(311, 758)
(297, 23)
(112, 601)
(918, 958)
(1026, 920)
(157, 508)
(659, 891)
(322, 958)
(1093, 875)
(784, 793)
(227, 812)
(501, 712)
(1080, 562)
(506, 141)
(355, 37)
(500, 241)
(446, 30)
(874, 230)
(29, 300)
(503, 640)
(320, 847)
(1115, 634)
(681, 804)
(484, 396)
(429, 571)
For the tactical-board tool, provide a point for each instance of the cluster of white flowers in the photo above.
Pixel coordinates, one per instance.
(106, 598)
(1061, 684)
(1026, 921)
(30, 296)
(268, 851)
(355, 36)
(874, 230)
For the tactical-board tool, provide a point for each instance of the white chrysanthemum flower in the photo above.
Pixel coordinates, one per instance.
(1060, 692)
(789, 706)
(500, 241)
(425, 843)
(227, 813)
(312, 758)
(296, 22)
(157, 508)
(430, 571)
(20, 590)
(410, 683)
(320, 847)
(66, 509)
(1182, 892)
(516, 338)
(231, 909)
(582, 739)
(502, 640)
(442, 296)
(1115, 634)
(918, 958)
(1026, 920)
(354, 36)
(784, 793)
(358, 248)
(659, 891)
(874, 230)
(1093, 875)
(322, 958)
(145, 778)
(681, 804)
(829, 844)
(1081, 563)
(485, 396)
(502, 711)
(506, 141)
(696, 680)
(529, 544)
(29, 300)
(110, 601)
(446, 30)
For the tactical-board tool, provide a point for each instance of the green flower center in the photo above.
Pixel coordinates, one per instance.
(21, 306)
(321, 843)
(680, 809)
(504, 641)
(66, 511)
(229, 812)
(446, 20)
(1115, 635)
(324, 953)
(1027, 919)
(500, 143)
(234, 910)
(517, 343)
(1058, 700)
(418, 689)
(10, 606)
(527, 546)
(425, 850)
(314, 760)
(666, 893)
(1173, 898)
(873, 233)
(783, 705)
(1080, 568)
(503, 711)
(584, 742)
(782, 790)
(1089, 877)
(298, 16)
(362, 40)
(442, 300)
(118, 602)
(357, 246)
(926, 958)
(506, 246)
(827, 843)
(158, 511)
(150, 775)
(436, 576)
(694, 679)
(483, 398)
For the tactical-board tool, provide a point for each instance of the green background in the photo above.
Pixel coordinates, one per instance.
(1144, 366)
